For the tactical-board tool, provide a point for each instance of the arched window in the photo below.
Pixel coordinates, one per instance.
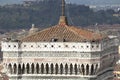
(92, 69)
(83, 69)
(10, 68)
(61, 68)
(37, 68)
(66, 69)
(19, 69)
(87, 69)
(56, 69)
(47, 68)
(52, 68)
(76, 70)
(15, 69)
(42, 68)
(23, 69)
(28, 68)
(32, 68)
(71, 69)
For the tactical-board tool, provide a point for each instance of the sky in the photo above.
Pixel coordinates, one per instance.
(87, 2)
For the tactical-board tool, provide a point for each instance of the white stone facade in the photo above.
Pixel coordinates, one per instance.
(59, 60)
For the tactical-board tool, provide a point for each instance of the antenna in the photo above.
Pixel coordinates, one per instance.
(63, 7)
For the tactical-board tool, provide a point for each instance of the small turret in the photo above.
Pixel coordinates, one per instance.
(33, 29)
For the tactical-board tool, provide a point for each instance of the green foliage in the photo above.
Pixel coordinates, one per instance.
(46, 13)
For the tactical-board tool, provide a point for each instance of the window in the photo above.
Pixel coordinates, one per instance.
(24, 45)
(52, 46)
(81, 46)
(31, 45)
(73, 46)
(66, 46)
(14, 45)
(54, 40)
(59, 46)
(9, 46)
(87, 46)
(45, 45)
(93, 41)
(97, 46)
(92, 46)
(64, 40)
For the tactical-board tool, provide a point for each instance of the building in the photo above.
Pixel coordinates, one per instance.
(61, 52)
(117, 71)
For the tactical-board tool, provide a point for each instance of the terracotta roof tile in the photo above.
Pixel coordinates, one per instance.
(63, 32)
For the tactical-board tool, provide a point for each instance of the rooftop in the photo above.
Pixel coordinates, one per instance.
(62, 32)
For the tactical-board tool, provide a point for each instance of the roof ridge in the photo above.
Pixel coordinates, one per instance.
(94, 34)
(75, 32)
(38, 32)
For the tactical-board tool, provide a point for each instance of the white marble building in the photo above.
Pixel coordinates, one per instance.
(61, 52)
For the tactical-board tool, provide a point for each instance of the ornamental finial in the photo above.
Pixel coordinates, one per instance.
(63, 19)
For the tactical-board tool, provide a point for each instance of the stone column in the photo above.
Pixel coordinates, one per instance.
(94, 69)
(69, 69)
(44, 69)
(16, 68)
(49, 69)
(64, 69)
(30, 70)
(39, 69)
(78, 72)
(35, 70)
(26, 69)
(73, 69)
(90, 69)
(85, 71)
